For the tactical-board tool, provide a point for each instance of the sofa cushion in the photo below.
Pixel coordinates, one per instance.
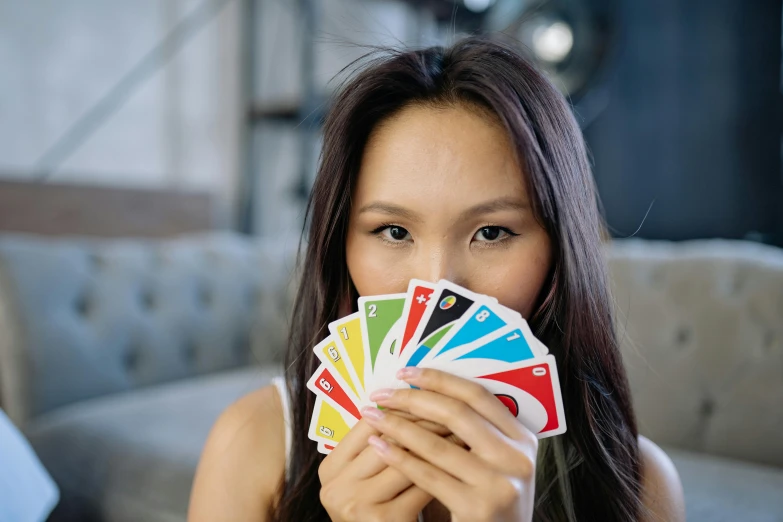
(132, 456)
(726, 490)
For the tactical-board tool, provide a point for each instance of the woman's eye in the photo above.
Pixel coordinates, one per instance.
(487, 234)
(395, 233)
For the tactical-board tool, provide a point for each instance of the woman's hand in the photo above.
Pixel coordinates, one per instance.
(357, 485)
(492, 481)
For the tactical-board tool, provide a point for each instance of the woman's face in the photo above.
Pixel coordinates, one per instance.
(441, 196)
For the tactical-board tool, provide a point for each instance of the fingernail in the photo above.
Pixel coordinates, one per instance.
(381, 395)
(409, 372)
(379, 444)
(372, 413)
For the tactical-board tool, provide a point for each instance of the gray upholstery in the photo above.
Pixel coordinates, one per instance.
(728, 490)
(702, 330)
(119, 355)
(131, 457)
(86, 318)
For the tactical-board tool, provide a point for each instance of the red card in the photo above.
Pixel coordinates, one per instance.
(531, 391)
(419, 296)
(324, 384)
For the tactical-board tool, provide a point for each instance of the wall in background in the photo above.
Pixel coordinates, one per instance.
(284, 152)
(183, 128)
(692, 121)
(180, 129)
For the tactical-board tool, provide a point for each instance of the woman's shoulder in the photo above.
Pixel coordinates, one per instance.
(243, 461)
(662, 492)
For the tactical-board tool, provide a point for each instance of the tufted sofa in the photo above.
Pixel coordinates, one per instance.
(117, 356)
(701, 325)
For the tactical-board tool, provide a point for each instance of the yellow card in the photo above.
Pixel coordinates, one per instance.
(327, 353)
(327, 424)
(348, 334)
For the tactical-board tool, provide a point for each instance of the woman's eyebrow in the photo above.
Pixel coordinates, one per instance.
(487, 207)
(391, 209)
(495, 205)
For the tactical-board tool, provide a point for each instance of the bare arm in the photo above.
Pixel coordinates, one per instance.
(662, 492)
(242, 463)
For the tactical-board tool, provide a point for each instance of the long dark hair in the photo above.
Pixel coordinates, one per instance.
(592, 472)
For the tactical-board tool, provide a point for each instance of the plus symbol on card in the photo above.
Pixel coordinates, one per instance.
(420, 298)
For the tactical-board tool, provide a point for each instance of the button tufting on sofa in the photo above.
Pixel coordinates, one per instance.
(96, 261)
(83, 305)
(769, 340)
(707, 408)
(702, 351)
(683, 337)
(699, 322)
(241, 346)
(147, 298)
(205, 296)
(131, 360)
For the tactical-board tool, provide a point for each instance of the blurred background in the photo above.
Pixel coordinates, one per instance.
(156, 157)
(679, 101)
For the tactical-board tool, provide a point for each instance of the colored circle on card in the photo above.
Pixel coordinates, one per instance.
(509, 402)
(448, 302)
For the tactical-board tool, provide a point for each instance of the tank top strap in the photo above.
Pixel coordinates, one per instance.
(282, 392)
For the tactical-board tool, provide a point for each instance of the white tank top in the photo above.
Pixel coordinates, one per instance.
(282, 392)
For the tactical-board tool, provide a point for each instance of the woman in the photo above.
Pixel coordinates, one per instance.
(463, 164)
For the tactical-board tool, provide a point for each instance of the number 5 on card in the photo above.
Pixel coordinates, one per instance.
(347, 332)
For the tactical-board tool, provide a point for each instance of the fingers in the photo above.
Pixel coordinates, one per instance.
(356, 439)
(345, 454)
(367, 464)
(412, 500)
(350, 454)
(452, 459)
(438, 429)
(495, 435)
(430, 479)
(434, 427)
(386, 485)
(456, 415)
(353, 443)
(472, 394)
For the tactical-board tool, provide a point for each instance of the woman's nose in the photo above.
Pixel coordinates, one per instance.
(440, 263)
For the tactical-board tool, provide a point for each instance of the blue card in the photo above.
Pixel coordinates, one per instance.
(510, 347)
(482, 322)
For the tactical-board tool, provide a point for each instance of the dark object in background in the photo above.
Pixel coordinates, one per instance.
(692, 122)
(679, 101)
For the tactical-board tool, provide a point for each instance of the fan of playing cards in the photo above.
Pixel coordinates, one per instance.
(442, 326)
